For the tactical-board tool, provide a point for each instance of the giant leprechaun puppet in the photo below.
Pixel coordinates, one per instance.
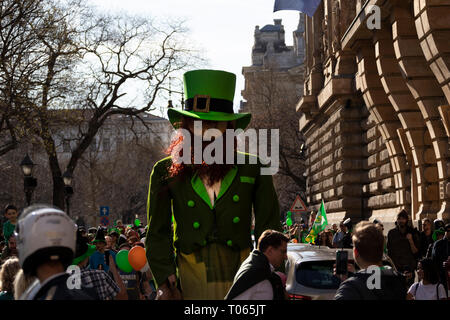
(200, 214)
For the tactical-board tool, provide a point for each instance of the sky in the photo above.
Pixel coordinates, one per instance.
(223, 29)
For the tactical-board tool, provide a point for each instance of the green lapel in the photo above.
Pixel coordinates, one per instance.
(200, 189)
(227, 181)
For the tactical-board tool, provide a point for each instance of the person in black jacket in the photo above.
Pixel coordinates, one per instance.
(347, 239)
(374, 281)
(440, 254)
(403, 246)
(426, 237)
(46, 239)
(256, 278)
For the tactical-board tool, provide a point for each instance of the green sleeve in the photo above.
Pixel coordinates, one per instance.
(8, 230)
(159, 242)
(266, 206)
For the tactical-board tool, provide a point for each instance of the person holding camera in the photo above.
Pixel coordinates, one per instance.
(374, 281)
(403, 246)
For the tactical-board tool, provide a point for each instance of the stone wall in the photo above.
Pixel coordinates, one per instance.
(375, 111)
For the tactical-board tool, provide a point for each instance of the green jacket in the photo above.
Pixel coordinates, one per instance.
(197, 222)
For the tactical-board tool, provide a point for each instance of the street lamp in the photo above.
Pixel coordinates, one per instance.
(29, 182)
(68, 190)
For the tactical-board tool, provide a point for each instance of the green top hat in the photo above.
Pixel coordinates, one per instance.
(209, 96)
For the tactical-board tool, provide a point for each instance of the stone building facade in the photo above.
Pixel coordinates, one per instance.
(273, 85)
(375, 110)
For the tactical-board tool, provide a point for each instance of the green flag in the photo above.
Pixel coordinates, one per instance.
(289, 219)
(319, 224)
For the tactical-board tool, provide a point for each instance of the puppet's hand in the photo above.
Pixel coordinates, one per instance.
(168, 290)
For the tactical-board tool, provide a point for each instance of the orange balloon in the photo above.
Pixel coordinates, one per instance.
(137, 258)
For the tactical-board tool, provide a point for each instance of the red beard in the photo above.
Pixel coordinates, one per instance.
(211, 172)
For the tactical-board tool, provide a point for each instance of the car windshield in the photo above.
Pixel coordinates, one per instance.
(317, 274)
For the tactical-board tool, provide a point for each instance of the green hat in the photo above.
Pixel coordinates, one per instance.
(436, 232)
(83, 249)
(209, 96)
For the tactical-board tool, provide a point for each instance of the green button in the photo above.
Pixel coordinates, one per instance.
(196, 225)
(235, 198)
(204, 243)
(236, 220)
(229, 243)
(191, 203)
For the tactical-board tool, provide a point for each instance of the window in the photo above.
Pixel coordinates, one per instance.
(106, 144)
(317, 274)
(119, 142)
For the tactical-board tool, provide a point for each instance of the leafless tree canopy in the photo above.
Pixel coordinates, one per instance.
(272, 97)
(63, 64)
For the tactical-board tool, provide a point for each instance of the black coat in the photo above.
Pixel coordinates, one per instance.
(56, 289)
(399, 249)
(392, 287)
(440, 254)
(425, 242)
(254, 269)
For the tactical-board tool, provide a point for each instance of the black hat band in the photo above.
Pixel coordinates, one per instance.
(206, 104)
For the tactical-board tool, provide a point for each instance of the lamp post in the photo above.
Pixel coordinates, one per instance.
(29, 182)
(68, 190)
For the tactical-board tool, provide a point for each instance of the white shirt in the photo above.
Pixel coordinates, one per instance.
(422, 291)
(261, 291)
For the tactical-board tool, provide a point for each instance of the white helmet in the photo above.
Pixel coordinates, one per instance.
(44, 233)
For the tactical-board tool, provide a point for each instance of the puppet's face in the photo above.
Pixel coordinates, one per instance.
(219, 125)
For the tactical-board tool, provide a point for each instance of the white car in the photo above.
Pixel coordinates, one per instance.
(309, 271)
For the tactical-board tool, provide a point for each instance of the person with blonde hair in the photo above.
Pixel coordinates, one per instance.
(21, 283)
(7, 275)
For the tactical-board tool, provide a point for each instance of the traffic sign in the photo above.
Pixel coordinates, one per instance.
(104, 221)
(104, 211)
(298, 206)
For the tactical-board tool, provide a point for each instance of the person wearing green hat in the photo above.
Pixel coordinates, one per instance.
(97, 283)
(210, 204)
(100, 258)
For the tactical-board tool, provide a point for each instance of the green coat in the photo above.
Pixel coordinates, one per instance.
(197, 222)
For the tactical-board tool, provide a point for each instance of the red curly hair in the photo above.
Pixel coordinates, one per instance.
(212, 172)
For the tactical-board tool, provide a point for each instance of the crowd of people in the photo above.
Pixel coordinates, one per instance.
(418, 256)
(93, 251)
(38, 269)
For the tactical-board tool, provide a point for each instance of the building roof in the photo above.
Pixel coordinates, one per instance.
(271, 28)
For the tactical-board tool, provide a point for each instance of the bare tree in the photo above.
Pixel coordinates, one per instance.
(80, 66)
(17, 64)
(118, 179)
(271, 97)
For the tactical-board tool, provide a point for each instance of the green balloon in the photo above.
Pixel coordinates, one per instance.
(289, 222)
(122, 261)
(137, 222)
(289, 214)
